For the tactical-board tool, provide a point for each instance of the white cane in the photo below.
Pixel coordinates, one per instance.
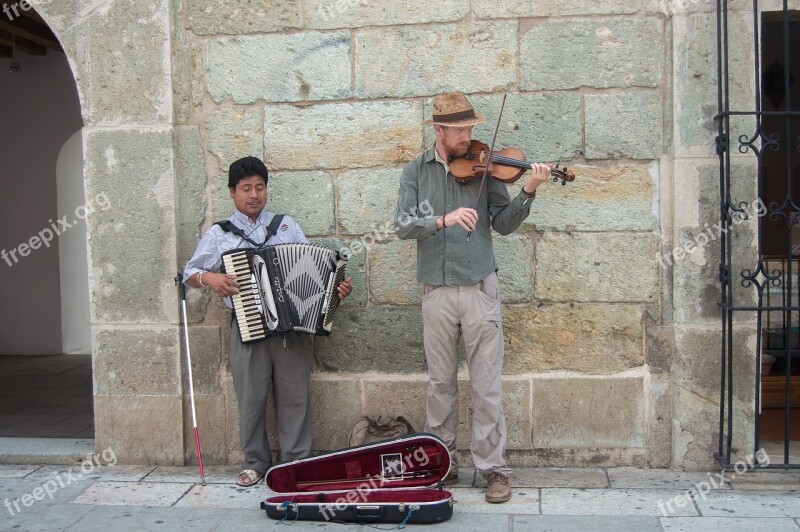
(182, 292)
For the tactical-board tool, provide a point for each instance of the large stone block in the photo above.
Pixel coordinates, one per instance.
(618, 267)
(58, 14)
(514, 255)
(602, 53)
(181, 69)
(234, 132)
(210, 17)
(589, 338)
(367, 200)
(695, 57)
(211, 422)
(197, 57)
(326, 14)
(393, 273)
(307, 197)
(615, 198)
(407, 394)
(208, 360)
(588, 412)
(517, 393)
(375, 339)
(130, 51)
(279, 68)
(342, 135)
(658, 420)
(127, 425)
(136, 362)
(335, 405)
(388, 62)
(624, 125)
(555, 8)
(131, 233)
(190, 173)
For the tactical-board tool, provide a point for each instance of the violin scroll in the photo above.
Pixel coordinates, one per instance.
(563, 174)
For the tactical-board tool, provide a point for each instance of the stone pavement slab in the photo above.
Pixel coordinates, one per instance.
(603, 523)
(737, 503)
(523, 501)
(17, 471)
(553, 477)
(771, 479)
(132, 494)
(225, 496)
(22, 494)
(630, 477)
(214, 474)
(729, 524)
(92, 472)
(44, 518)
(149, 519)
(558, 501)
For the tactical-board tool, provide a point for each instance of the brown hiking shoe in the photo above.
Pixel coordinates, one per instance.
(498, 489)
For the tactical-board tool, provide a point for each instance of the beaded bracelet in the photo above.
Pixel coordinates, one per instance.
(200, 279)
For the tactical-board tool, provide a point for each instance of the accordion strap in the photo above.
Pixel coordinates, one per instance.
(272, 229)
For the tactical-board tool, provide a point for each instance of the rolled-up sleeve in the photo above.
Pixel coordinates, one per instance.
(207, 256)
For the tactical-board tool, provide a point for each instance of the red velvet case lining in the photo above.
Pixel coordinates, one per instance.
(408, 496)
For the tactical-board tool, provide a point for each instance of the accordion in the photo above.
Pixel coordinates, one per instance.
(284, 288)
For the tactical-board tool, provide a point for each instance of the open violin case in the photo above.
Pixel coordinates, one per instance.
(382, 482)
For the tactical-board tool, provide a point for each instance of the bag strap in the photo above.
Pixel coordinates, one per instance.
(272, 229)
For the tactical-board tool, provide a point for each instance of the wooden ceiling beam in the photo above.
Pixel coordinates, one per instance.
(31, 30)
(22, 45)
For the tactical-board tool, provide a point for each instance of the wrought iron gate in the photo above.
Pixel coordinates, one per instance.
(760, 278)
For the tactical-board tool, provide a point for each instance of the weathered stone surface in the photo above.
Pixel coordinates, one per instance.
(554, 8)
(407, 394)
(190, 173)
(616, 198)
(221, 203)
(234, 132)
(279, 68)
(127, 424)
(658, 419)
(197, 59)
(181, 80)
(356, 268)
(514, 255)
(624, 125)
(307, 197)
(210, 17)
(208, 360)
(592, 339)
(335, 404)
(659, 345)
(601, 53)
(324, 14)
(211, 421)
(132, 171)
(58, 14)
(134, 38)
(588, 412)
(695, 58)
(342, 135)
(546, 126)
(393, 273)
(388, 62)
(375, 339)
(516, 405)
(615, 267)
(367, 200)
(136, 362)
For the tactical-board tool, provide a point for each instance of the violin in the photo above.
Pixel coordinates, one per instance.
(506, 165)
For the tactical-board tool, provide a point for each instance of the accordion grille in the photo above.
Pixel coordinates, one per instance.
(306, 272)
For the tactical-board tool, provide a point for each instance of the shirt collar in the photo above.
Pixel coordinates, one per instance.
(432, 155)
(243, 218)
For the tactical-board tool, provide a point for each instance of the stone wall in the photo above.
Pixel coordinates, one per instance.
(332, 95)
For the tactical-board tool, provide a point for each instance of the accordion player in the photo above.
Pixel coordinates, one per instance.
(284, 288)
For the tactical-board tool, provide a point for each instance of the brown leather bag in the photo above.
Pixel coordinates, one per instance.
(368, 429)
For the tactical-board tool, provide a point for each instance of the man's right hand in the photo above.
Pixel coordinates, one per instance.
(222, 284)
(464, 216)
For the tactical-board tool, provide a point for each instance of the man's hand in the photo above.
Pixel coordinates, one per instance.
(463, 216)
(539, 174)
(345, 288)
(222, 284)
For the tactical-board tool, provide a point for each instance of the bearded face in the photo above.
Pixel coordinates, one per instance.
(454, 140)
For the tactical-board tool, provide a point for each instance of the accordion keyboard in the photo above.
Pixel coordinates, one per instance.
(247, 303)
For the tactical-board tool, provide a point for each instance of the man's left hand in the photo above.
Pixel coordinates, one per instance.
(539, 174)
(345, 288)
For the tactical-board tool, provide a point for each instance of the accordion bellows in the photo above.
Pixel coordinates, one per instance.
(284, 288)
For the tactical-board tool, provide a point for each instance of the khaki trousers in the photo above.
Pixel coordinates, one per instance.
(475, 312)
(284, 371)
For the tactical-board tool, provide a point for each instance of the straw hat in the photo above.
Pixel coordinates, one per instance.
(454, 110)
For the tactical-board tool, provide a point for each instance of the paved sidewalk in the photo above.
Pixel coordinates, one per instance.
(139, 498)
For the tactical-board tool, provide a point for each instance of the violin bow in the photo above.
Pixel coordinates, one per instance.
(489, 160)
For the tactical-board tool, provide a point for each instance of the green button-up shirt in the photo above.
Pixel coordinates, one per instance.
(427, 191)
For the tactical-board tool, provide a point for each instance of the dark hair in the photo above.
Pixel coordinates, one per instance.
(244, 168)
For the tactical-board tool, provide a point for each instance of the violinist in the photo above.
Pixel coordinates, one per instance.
(459, 287)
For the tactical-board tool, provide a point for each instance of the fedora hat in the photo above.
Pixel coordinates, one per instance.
(452, 109)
